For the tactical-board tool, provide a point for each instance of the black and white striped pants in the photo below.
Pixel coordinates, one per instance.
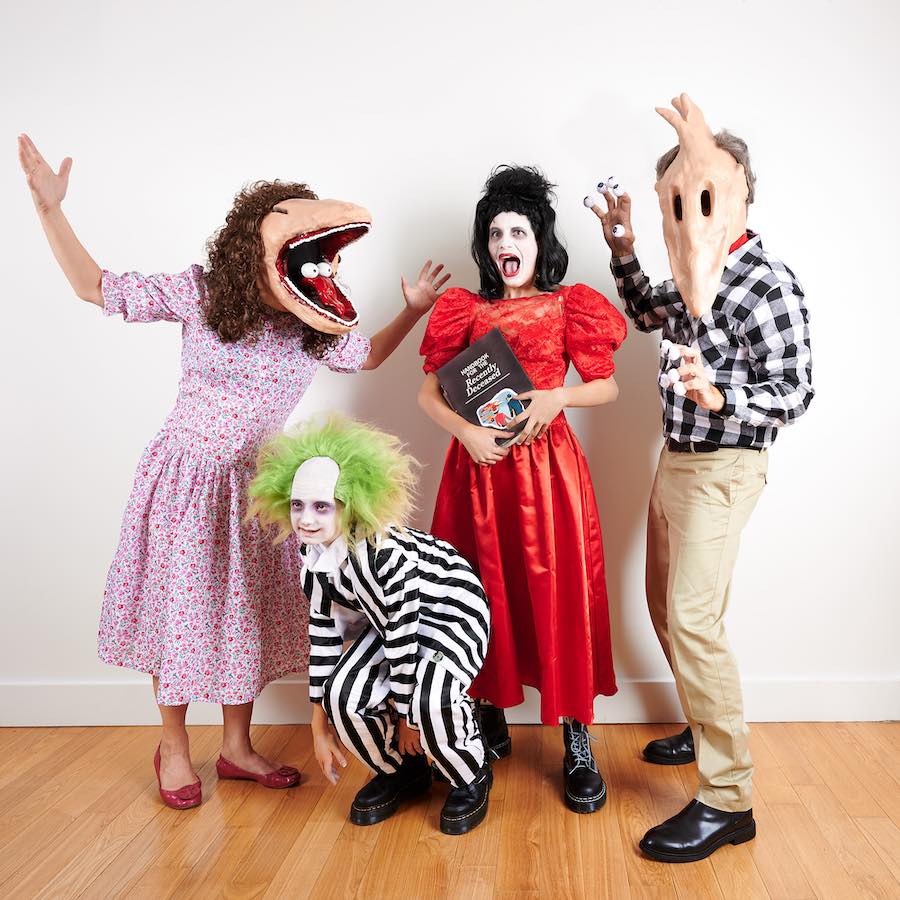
(356, 701)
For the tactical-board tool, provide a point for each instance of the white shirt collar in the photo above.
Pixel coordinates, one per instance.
(327, 560)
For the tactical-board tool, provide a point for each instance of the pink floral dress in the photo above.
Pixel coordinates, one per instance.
(195, 594)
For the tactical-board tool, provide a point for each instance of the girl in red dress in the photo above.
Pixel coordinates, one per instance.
(525, 515)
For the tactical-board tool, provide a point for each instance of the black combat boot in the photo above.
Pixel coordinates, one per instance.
(495, 731)
(466, 806)
(585, 789)
(381, 797)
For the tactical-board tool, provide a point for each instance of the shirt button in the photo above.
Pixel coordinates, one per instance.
(438, 656)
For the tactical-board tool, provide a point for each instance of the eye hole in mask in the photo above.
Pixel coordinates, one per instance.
(705, 203)
(677, 204)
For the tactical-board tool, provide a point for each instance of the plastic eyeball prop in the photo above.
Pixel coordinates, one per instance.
(592, 200)
(601, 186)
(674, 375)
(325, 269)
(618, 191)
(679, 388)
(664, 382)
(618, 230)
(309, 270)
(664, 345)
(673, 353)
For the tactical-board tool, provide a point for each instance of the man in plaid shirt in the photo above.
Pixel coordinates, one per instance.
(746, 368)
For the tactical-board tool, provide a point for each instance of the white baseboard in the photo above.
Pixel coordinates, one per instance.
(284, 702)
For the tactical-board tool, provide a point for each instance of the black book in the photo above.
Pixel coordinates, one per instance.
(481, 384)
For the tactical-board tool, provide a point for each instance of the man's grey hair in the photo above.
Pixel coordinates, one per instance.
(726, 141)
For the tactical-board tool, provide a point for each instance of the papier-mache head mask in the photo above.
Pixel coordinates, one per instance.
(703, 198)
(301, 242)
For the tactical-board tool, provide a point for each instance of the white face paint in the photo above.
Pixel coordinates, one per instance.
(314, 510)
(513, 248)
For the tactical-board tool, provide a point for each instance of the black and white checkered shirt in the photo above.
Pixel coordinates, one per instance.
(754, 342)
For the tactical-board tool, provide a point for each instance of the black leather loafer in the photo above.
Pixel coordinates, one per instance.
(696, 832)
(466, 806)
(381, 797)
(676, 750)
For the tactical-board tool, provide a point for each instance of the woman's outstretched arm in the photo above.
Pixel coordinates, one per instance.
(48, 188)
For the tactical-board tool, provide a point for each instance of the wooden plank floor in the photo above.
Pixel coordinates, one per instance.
(80, 817)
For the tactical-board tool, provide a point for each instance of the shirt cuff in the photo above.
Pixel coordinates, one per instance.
(622, 265)
(730, 402)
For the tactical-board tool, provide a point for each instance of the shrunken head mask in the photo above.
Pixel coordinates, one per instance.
(703, 197)
(301, 242)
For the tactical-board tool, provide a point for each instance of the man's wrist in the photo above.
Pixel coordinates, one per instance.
(723, 407)
(718, 397)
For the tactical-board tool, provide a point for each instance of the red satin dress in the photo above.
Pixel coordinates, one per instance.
(529, 524)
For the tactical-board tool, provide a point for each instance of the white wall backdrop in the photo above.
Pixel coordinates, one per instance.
(405, 107)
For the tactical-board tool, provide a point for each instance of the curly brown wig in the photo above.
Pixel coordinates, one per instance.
(233, 307)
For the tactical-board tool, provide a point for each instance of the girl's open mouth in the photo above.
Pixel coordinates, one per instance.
(509, 265)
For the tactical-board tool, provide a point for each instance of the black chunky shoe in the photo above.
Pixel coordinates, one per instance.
(466, 806)
(696, 832)
(676, 750)
(584, 787)
(495, 731)
(381, 797)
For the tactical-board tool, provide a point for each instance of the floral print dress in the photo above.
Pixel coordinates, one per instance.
(196, 595)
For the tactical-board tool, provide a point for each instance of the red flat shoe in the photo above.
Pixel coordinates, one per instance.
(186, 797)
(285, 777)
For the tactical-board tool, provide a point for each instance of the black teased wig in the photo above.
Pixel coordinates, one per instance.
(523, 190)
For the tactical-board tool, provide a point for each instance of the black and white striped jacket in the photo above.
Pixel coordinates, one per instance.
(417, 591)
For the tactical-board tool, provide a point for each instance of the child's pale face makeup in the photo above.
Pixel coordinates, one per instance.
(513, 248)
(315, 512)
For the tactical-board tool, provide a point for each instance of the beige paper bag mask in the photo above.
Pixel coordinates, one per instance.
(301, 241)
(703, 198)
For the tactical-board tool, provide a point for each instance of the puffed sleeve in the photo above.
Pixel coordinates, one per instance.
(448, 328)
(153, 298)
(595, 329)
(349, 354)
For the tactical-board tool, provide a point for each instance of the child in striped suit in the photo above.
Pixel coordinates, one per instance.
(414, 611)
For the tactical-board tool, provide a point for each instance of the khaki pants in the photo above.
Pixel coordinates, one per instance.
(698, 508)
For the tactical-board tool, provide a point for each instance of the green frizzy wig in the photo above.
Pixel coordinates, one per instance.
(375, 484)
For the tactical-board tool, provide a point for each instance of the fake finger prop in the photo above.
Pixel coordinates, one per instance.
(610, 184)
(672, 377)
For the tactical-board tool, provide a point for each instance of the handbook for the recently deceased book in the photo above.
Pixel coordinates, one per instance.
(481, 384)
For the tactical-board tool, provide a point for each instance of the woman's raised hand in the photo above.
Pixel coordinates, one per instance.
(48, 188)
(422, 294)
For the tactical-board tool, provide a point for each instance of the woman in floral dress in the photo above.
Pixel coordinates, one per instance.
(196, 596)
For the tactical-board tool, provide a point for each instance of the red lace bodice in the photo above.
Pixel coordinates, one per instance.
(546, 332)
